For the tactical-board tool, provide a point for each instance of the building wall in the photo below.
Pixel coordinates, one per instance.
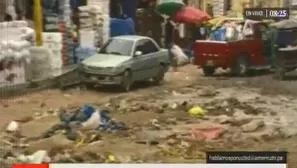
(200, 4)
(239, 5)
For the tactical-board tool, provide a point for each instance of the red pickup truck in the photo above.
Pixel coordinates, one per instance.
(240, 56)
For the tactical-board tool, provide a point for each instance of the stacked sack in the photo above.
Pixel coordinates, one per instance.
(16, 39)
(67, 13)
(97, 22)
(85, 21)
(54, 43)
(96, 17)
(50, 22)
(40, 63)
(103, 9)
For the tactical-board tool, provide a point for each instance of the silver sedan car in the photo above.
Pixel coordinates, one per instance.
(124, 60)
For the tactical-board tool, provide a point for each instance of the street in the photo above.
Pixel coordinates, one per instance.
(252, 113)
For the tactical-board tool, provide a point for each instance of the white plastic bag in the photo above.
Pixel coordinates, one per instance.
(179, 55)
(93, 122)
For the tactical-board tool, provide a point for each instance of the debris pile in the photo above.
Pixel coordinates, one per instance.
(180, 126)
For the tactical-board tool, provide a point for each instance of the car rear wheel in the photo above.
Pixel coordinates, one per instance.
(208, 71)
(240, 67)
(127, 81)
(160, 75)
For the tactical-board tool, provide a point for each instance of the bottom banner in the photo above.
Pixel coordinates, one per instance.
(167, 166)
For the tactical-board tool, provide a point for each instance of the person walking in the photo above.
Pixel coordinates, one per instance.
(169, 42)
(169, 37)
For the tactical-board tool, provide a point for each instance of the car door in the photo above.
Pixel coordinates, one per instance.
(151, 58)
(138, 64)
(145, 63)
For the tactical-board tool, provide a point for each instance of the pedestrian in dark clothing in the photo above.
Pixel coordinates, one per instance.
(168, 32)
(169, 38)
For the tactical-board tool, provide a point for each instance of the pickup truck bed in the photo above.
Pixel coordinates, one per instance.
(219, 53)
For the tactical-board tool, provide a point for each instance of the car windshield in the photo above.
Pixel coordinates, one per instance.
(117, 47)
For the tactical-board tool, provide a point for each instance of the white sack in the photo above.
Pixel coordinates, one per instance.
(19, 45)
(84, 8)
(179, 55)
(28, 31)
(4, 45)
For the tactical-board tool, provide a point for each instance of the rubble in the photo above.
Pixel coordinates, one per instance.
(253, 125)
(48, 144)
(172, 129)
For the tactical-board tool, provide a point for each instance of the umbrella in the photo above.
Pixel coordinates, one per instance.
(189, 15)
(168, 7)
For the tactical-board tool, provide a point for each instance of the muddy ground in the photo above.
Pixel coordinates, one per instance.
(252, 113)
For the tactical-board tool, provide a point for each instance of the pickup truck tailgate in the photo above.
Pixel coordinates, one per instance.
(212, 48)
(210, 51)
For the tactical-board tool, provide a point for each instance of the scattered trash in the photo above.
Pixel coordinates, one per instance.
(164, 129)
(81, 120)
(110, 159)
(40, 156)
(196, 111)
(206, 133)
(253, 125)
(12, 126)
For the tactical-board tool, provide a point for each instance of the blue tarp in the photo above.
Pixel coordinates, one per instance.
(218, 35)
(119, 27)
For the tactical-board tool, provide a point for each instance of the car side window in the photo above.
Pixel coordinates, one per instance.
(140, 46)
(150, 47)
(146, 46)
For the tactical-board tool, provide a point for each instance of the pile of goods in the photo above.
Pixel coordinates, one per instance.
(47, 61)
(54, 43)
(67, 13)
(40, 67)
(50, 22)
(94, 28)
(95, 18)
(16, 39)
(66, 30)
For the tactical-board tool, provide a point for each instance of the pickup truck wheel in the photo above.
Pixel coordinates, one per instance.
(160, 75)
(127, 81)
(241, 66)
(208, 71)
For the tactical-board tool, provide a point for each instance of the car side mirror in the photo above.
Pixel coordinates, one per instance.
(137, 53)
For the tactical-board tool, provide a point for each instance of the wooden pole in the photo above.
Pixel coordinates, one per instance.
(37, 22)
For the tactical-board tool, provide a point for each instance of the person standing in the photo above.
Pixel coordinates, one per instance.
(169, 30)
(168, 34)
